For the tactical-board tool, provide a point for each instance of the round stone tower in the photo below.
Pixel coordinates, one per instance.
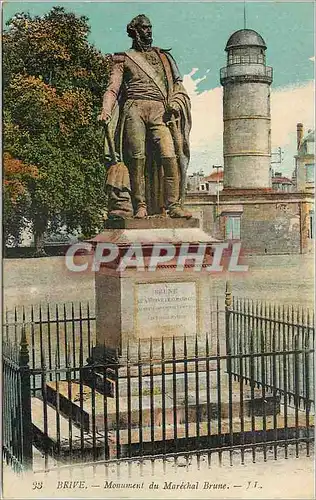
(246, 111)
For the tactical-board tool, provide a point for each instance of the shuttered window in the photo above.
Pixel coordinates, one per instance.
(233, 228)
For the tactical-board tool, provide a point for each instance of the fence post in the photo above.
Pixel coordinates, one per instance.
(26, 408)
(228, 303)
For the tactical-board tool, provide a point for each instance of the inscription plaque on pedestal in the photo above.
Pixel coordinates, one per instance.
(166, 309)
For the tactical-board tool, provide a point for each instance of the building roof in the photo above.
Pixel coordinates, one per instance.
(214, 177)
(242, 38)
(281, 180)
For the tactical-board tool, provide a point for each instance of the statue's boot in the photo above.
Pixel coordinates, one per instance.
(172, 189)
(137, 175)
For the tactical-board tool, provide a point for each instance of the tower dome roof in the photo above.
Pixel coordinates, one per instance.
(242, 38)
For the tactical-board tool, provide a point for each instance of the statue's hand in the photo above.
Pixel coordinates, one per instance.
(173, 109)
(104, 118)
(110, 160)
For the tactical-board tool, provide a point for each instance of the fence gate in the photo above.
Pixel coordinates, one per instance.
(16, 409)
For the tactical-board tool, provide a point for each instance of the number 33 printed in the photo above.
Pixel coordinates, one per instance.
(37, 485)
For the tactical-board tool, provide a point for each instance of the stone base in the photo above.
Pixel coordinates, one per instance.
(267, 419)
(189, 406)
(152, 223)
(134, 306)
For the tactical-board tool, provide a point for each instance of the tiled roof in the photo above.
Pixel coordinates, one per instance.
(214, 177)
(281, 180)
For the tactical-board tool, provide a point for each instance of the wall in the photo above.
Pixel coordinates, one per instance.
(271, 222)
(271, 228)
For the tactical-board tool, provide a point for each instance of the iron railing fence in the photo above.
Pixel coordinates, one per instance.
(261, 71)
(52, 331)
(256, 327)
(16, 404)
(163, 406)
(234, 388)
(56, 331)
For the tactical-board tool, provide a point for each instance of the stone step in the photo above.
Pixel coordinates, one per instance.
(92, 446)
(225, 433)
(169, 369)
(152, 350)
(69, 445)
(182, 383)
(156, 383)
(128, 379)
(123, 413)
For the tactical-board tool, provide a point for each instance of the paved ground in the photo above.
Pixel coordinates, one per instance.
(282, 479)
(286, 279)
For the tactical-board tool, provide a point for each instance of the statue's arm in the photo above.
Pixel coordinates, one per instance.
(179, 93)
(113, 88)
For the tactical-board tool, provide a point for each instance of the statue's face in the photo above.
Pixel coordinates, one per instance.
(144, 30)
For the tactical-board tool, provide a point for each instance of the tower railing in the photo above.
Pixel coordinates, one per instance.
(265, 70)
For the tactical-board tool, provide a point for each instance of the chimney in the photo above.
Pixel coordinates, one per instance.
(300, 133)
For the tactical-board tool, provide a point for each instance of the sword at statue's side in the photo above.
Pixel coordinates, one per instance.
(178, 146)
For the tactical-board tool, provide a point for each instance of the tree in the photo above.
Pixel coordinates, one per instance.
(54, 80)
(17, 174)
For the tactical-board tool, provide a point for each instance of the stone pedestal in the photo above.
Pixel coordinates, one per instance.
(136, 307)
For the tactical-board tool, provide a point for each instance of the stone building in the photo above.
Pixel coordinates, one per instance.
(282, 183)
(194, 180)
(305, 160)
(212, 183)
(266, 221)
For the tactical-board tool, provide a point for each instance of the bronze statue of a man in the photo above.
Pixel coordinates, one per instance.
(147, 109)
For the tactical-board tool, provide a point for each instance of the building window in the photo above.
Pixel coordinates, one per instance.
(310, 172)
(232, 230)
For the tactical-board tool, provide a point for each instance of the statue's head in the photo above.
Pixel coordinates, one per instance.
(140, 29)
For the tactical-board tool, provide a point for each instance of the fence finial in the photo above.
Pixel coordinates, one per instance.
(228, 294)
(24, 350)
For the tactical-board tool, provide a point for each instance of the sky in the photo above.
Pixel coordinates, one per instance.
(197, 33)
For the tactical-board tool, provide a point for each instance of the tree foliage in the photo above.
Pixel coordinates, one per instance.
(54, 80)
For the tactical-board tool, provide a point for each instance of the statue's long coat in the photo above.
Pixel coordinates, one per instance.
(116, 99)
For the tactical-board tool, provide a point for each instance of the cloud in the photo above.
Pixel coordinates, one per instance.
(207, 125)
(289, 105)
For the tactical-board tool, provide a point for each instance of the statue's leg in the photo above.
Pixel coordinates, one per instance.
(172, 188)
(135, 137)
(164, 143)
(137, 176)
